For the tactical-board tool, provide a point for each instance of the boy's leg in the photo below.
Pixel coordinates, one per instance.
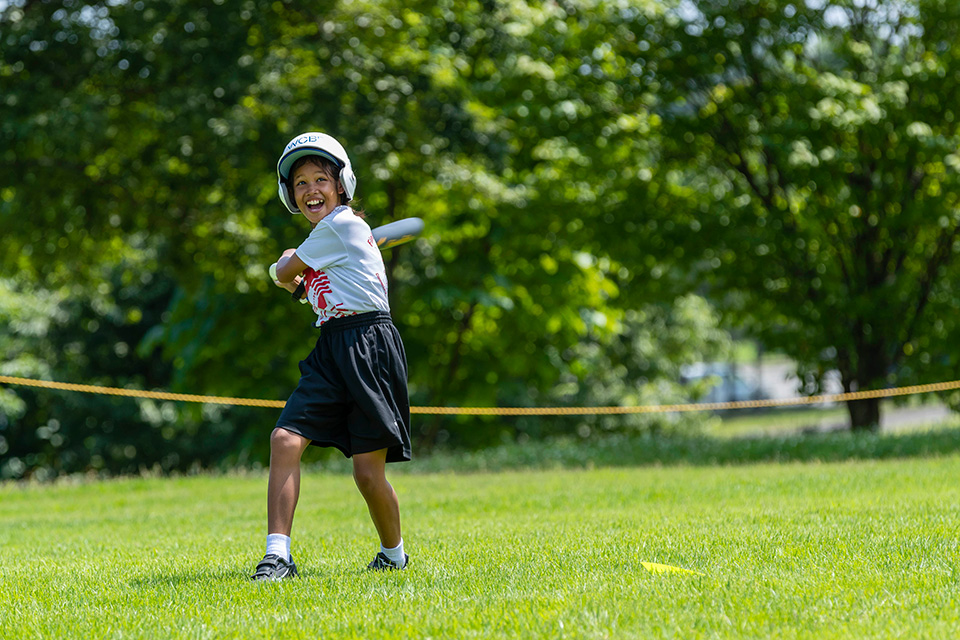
(283, 490)
(369, 472)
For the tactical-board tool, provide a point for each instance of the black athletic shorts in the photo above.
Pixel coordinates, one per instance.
(352, 393)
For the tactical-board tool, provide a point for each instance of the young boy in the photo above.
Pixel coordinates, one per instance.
(352, 393)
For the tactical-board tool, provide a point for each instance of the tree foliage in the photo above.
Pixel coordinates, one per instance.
(139, 209)
(583, 170)
(815, 147)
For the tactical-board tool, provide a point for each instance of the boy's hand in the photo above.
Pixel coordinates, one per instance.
(290, 286)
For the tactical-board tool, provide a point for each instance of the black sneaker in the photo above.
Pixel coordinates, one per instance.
(383, 563)
(273, 567)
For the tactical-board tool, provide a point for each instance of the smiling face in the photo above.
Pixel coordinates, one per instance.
(315, 188)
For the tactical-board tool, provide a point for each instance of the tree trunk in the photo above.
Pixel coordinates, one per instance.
(867, 373)
(864, 414)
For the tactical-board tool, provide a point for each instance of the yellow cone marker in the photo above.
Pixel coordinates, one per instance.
(654, 567)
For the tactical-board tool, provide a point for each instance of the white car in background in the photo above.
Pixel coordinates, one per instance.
(723, 381)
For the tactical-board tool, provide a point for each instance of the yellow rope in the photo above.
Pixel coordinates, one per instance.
(136, 393)
(507, 411)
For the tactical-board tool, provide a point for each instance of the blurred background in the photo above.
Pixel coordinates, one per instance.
(626, 202)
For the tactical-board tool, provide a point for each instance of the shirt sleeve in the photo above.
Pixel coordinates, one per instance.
(323, 248)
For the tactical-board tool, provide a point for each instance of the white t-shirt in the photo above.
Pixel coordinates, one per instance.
(345, 274)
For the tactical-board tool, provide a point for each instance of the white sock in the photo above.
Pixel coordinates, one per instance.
(279, 545)
(395, 554)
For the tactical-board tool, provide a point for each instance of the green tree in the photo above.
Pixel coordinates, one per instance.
(812, 153)
(139, 193)
(118, 205)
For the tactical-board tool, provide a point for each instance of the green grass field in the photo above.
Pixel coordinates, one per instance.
(795, 419)
(812, 550)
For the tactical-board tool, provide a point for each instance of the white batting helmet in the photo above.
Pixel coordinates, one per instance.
(314, 143)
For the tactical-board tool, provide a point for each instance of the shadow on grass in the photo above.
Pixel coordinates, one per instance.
(235, 576)
(648, 450)
(184, 578)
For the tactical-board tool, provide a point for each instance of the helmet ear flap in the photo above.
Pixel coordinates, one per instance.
(349, 181)
(285, 198)
(314, 143)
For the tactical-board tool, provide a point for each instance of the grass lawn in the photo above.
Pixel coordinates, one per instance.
(795, 419)
(865, 549)
(790, 419)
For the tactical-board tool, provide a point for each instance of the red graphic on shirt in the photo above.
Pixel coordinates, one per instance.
(318, 288)
(382, 284)
(318, 284)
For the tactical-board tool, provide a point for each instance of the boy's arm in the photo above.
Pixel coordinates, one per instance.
(289, 266)
(274, 275)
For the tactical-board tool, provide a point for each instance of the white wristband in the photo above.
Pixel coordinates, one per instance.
(273, 272)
